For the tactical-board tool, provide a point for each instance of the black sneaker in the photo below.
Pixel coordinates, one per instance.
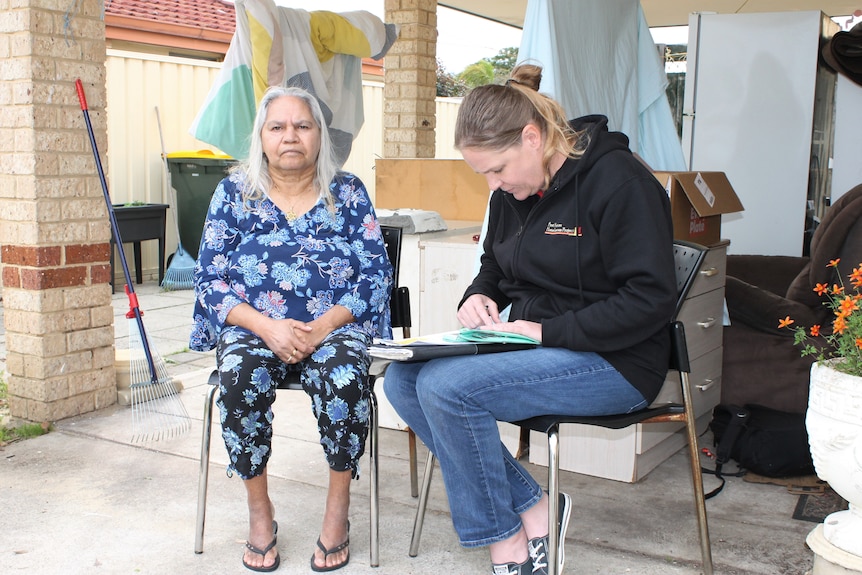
(525, 568)
(538, 547)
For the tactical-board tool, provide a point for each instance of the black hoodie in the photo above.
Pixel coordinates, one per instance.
(592, 259)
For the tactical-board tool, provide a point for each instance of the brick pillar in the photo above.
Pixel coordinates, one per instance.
(54, 230)
(410, 75)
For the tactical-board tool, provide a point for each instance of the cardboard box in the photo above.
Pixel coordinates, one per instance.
(697, 200)
(449, 187)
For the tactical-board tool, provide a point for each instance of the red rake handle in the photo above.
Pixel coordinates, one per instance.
(81, 97)
(134, 310)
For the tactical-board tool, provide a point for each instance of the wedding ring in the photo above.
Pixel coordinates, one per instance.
(293, 353)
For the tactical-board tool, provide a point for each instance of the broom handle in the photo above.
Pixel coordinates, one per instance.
(167, 180)
(134, 310)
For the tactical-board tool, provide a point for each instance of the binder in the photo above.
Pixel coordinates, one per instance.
(448, 344)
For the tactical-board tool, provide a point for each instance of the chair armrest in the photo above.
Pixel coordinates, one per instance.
(772, 273)
(761, 309)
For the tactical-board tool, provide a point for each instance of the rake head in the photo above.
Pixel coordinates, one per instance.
(158, 412)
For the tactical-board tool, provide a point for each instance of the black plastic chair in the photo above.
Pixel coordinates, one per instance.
(688, 258)
(399, 306)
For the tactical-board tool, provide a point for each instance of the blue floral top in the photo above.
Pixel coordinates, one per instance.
(297, 269)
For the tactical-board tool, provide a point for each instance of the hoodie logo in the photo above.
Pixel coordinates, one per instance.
(555, 229)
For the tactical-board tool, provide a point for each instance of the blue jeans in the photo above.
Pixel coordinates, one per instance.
(453, 404)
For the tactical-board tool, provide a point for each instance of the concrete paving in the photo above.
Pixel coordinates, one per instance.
(85, 499)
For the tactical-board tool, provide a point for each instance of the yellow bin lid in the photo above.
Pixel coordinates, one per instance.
(200, 154)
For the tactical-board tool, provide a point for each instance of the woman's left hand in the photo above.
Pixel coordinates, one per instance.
(523, 327)
(311, 334)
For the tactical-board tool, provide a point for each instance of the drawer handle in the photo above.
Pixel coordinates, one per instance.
(709, 272)
(707, 323)
(707, 383)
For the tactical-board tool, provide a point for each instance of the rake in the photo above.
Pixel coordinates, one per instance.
(157, 410)
(181, 269)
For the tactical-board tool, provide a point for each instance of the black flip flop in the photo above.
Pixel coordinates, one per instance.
(328, 552)
(263, 552)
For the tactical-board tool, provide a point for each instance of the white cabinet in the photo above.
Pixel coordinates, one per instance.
(629, 454)
(436, 267)
(448, 266)
(434, 283)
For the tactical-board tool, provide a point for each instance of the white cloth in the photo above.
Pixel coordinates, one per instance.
(319, 51)
(599, 58)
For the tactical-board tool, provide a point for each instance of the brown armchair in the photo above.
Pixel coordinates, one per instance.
(761, 365)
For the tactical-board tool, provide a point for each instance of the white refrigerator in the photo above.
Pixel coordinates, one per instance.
(759, 106)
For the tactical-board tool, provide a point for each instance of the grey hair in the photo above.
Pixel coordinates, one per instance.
(256, 167)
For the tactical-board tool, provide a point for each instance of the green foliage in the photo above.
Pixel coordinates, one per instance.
(478, 74)
(24, 431)
(493, 70)
(448, 85)
(842, 341)
(503, 63)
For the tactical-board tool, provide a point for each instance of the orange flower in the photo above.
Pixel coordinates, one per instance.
(840, 342)
(839, 325)
(848, 305)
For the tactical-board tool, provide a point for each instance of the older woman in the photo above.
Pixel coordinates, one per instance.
(292, 275)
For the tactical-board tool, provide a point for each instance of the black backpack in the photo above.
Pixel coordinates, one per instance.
(761, 440)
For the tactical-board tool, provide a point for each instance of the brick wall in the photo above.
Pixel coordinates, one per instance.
(53, 226)
(410, 77)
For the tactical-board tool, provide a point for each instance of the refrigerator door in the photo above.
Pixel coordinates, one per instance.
(750, 108)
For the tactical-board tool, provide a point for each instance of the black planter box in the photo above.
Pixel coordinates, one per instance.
(139, 223)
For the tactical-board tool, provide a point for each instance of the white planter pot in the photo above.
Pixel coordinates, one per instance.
(834, 423)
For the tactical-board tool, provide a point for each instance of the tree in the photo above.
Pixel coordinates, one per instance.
(478, 74)
(493, 70)
(447, 84)
(503, 63)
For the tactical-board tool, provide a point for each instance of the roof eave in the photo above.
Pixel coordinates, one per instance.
(147, 31)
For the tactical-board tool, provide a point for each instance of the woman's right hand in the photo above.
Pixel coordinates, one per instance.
(285, 337)
(478, 310)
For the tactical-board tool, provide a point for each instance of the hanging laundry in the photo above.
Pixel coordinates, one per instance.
(320, 51)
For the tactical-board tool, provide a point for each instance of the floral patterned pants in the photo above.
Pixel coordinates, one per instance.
(335, 377)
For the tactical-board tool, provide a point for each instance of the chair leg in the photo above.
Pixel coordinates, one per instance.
(696, 477)
(414, 465)
(523, 444)
(203, 476)
(423, 503)
(554, 543)
(374, 498)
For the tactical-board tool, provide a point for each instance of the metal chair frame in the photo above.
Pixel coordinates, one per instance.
(688, 258)
(400, 313)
